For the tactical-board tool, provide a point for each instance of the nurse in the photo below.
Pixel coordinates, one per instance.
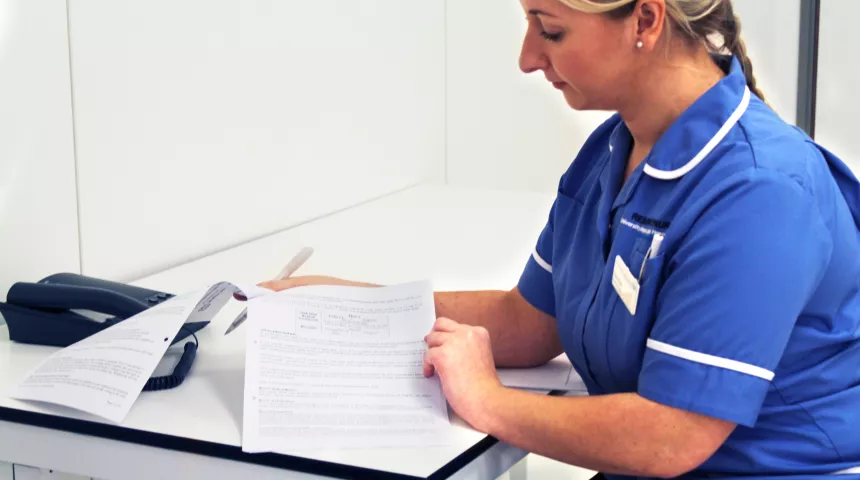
(700, 266)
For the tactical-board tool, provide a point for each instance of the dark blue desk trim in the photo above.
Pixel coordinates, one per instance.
(229, 452)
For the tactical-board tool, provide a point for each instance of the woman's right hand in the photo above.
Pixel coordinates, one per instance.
(292, 282)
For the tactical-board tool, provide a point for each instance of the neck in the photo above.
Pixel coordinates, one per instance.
(662, 93)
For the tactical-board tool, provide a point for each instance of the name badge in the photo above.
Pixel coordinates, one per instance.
(625, 285)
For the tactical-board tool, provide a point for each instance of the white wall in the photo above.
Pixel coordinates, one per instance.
(38, 219)
(838, 79)
(505, 129)
(771, 31)
(509, 130)
(202, 124)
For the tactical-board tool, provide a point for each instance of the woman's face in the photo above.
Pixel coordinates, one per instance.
(588, 57)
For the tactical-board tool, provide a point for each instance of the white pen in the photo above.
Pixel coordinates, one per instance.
(290, 268)
(653, 251)
(656, 243)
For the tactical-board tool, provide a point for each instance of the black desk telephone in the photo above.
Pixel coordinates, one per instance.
(64, 308)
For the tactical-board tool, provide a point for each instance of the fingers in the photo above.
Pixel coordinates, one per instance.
(435, 344)
(433, 340)
(444, 324)
(437, 339)
(481, 332)
(306, 280)
(278, 285)
(428, 367)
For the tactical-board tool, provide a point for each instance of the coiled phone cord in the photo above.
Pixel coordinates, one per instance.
(179, 371)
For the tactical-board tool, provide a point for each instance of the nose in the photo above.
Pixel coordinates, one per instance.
(532, 57)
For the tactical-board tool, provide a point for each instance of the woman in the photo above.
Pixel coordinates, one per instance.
(700, 266)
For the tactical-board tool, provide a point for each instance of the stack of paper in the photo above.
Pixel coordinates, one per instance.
(341, 367)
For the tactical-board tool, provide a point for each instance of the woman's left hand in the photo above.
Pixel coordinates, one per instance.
(462, 356)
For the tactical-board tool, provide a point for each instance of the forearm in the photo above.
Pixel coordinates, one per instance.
(517, 339)
(486, 308)
(521, 335)
(621, 434)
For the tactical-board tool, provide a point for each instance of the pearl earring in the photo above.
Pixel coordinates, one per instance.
(639, 44)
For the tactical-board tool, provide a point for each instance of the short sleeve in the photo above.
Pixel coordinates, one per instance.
(535, 283)
(735, 285)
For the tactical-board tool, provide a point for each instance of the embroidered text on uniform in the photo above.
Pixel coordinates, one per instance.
(658, 224)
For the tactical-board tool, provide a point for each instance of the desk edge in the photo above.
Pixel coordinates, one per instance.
(230, 452)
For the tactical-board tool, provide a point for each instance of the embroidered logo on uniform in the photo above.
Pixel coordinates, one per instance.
(645, 225)
(651, 222)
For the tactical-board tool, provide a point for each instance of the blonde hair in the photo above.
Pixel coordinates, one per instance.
(697, 20)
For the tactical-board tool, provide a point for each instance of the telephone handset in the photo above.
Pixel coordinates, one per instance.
(65, 308)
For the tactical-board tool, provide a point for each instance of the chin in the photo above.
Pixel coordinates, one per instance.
(580, 102)
(577, 101)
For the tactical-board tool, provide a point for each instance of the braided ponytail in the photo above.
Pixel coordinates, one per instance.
(732, 41)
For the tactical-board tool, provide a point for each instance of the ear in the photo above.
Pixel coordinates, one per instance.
(649, 18)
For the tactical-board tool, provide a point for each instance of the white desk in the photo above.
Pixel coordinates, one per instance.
(460, 239)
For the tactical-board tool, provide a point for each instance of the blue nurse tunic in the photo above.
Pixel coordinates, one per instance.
(722, 277)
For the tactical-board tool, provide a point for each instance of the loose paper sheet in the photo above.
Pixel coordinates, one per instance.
(104, 373)
(557, 374)
(341, 367)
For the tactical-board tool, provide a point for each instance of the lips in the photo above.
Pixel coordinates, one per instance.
(558, 85)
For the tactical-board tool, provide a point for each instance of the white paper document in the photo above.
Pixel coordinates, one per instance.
(557, 374)
(341, 367)
(104, 373)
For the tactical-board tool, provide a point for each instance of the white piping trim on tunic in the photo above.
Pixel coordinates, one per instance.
(847, 471)
(711, 360)
(723, 131)
(540, 261)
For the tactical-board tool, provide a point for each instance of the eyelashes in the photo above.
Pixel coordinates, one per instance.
(552, 37)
